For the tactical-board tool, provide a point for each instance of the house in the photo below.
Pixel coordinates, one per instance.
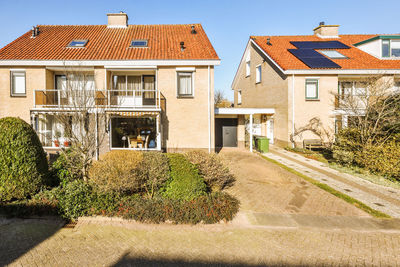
(155, 83)
(287, 83)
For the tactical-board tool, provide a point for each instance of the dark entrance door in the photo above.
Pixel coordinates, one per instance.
(229, 136)
(226, 132)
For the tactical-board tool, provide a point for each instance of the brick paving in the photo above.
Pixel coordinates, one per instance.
(382, 198)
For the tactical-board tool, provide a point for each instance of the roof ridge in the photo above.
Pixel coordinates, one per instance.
(92, 25)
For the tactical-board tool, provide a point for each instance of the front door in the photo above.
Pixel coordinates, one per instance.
(229, 136)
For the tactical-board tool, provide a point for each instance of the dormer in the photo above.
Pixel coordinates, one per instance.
(382, 46)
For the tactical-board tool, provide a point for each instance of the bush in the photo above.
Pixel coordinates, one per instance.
(67, 167)
(154, 171)
(207, 209)
(347, 146)
(23, 163)
(75, 199)
(185, 182)
(216, 175)
(118, 171)
(383, 159)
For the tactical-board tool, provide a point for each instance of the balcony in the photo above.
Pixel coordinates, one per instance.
(109, 99)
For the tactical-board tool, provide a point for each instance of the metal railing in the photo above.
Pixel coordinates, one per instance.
(58, 99)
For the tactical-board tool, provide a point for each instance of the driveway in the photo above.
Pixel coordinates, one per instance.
(264, 187)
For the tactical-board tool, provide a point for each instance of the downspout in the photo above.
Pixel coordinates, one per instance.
(209, 110)
(293, 110)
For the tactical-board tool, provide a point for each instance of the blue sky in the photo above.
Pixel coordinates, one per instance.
(228, 24)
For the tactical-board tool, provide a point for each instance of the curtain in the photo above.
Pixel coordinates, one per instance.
(311, 90)
(134, 84)
(185, 83)
(149, 84)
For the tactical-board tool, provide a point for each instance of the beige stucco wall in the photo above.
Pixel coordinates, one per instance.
(20, 106)
(305, 110)
(272, 92)
(185, 124)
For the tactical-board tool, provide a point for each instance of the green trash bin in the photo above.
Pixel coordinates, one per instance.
(263, 144)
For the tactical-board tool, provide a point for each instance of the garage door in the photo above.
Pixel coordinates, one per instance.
(226, 132)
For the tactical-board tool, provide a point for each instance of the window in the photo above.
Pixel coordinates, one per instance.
(332, 54)
(239, 97)
(78, 43)
(185, 84)
(18, 83)
(139, 43)
(311, 89)
(390, 48)
(248, 64)
(258, 74)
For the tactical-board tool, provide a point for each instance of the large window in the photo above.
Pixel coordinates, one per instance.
(18, 83)
(185, 84)
(134, 133)
(258, 74)
(312, 89)
(390, 48)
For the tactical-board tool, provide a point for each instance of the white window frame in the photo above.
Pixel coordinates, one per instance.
(178, 72)
(305, 88)
(12, 72)
(390, 41)
(248, 65)
(239, 97)
(258, 74)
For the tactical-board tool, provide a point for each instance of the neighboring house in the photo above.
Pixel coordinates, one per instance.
(295, 78)
(156, 81)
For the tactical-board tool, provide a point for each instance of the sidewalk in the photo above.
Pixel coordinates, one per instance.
(381, 198)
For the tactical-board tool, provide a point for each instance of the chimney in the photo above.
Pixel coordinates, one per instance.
(327, 31)
(117, 20)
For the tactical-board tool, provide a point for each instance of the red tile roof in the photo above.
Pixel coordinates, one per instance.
(357, 59)
(111, 43)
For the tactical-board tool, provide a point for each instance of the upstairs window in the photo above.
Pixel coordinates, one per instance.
(185, 84)
(18, 83)
(139, 43)
(239, 97)
(390, 48)
(332, 54)
(258, 74)
(78, 43)
(248, 64)
(311, 89)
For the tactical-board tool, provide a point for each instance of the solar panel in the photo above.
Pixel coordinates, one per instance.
(313, 59)
(320, 45)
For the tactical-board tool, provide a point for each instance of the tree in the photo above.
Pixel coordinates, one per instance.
(372, 108)
(84, 119)
(220, 101)
(316, 127)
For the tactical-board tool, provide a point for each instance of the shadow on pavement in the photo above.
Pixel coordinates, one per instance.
(18, 236)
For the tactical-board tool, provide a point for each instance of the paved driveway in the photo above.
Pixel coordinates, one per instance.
(264, 187)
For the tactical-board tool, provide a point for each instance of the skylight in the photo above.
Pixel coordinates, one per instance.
(78, 43)
(332, 54)
(139, 43)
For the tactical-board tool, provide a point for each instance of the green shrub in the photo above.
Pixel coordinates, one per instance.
(347, 146)
(207, 209)
(185, 182)
(67, 167)
(75, 199)
(23, 163)
(382, 158)
(154, 171)
(216, 175)
(118, 171)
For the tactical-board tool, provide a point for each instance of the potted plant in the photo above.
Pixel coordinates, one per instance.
(66, 143)
(57, 136)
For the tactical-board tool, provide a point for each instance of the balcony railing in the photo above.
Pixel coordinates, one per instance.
(69, 99)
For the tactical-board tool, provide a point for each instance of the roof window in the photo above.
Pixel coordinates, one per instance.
(139, 43)
(332, 54)
(78, 43)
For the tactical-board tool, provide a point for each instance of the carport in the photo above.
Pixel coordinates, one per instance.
(227, 119)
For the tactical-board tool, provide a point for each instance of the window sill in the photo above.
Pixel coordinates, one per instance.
(258, 82)
(312, 99)
(185, 96)
(18, 95)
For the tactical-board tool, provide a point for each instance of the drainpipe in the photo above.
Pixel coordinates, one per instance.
(293, 110)
(209, 110)
(97, 135)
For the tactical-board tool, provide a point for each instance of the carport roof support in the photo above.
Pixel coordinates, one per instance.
(243, 111)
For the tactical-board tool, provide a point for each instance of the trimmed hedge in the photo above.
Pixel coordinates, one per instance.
(185, 182)
(23, 163)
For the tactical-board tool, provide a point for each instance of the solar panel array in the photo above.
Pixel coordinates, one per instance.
(306, 53)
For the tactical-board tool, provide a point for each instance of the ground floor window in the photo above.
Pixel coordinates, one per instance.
(136, 133)
(51, 132)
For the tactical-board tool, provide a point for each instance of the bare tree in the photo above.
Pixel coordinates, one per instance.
(317, 128)
(82, 114)
(372, 106)
(220, 100)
